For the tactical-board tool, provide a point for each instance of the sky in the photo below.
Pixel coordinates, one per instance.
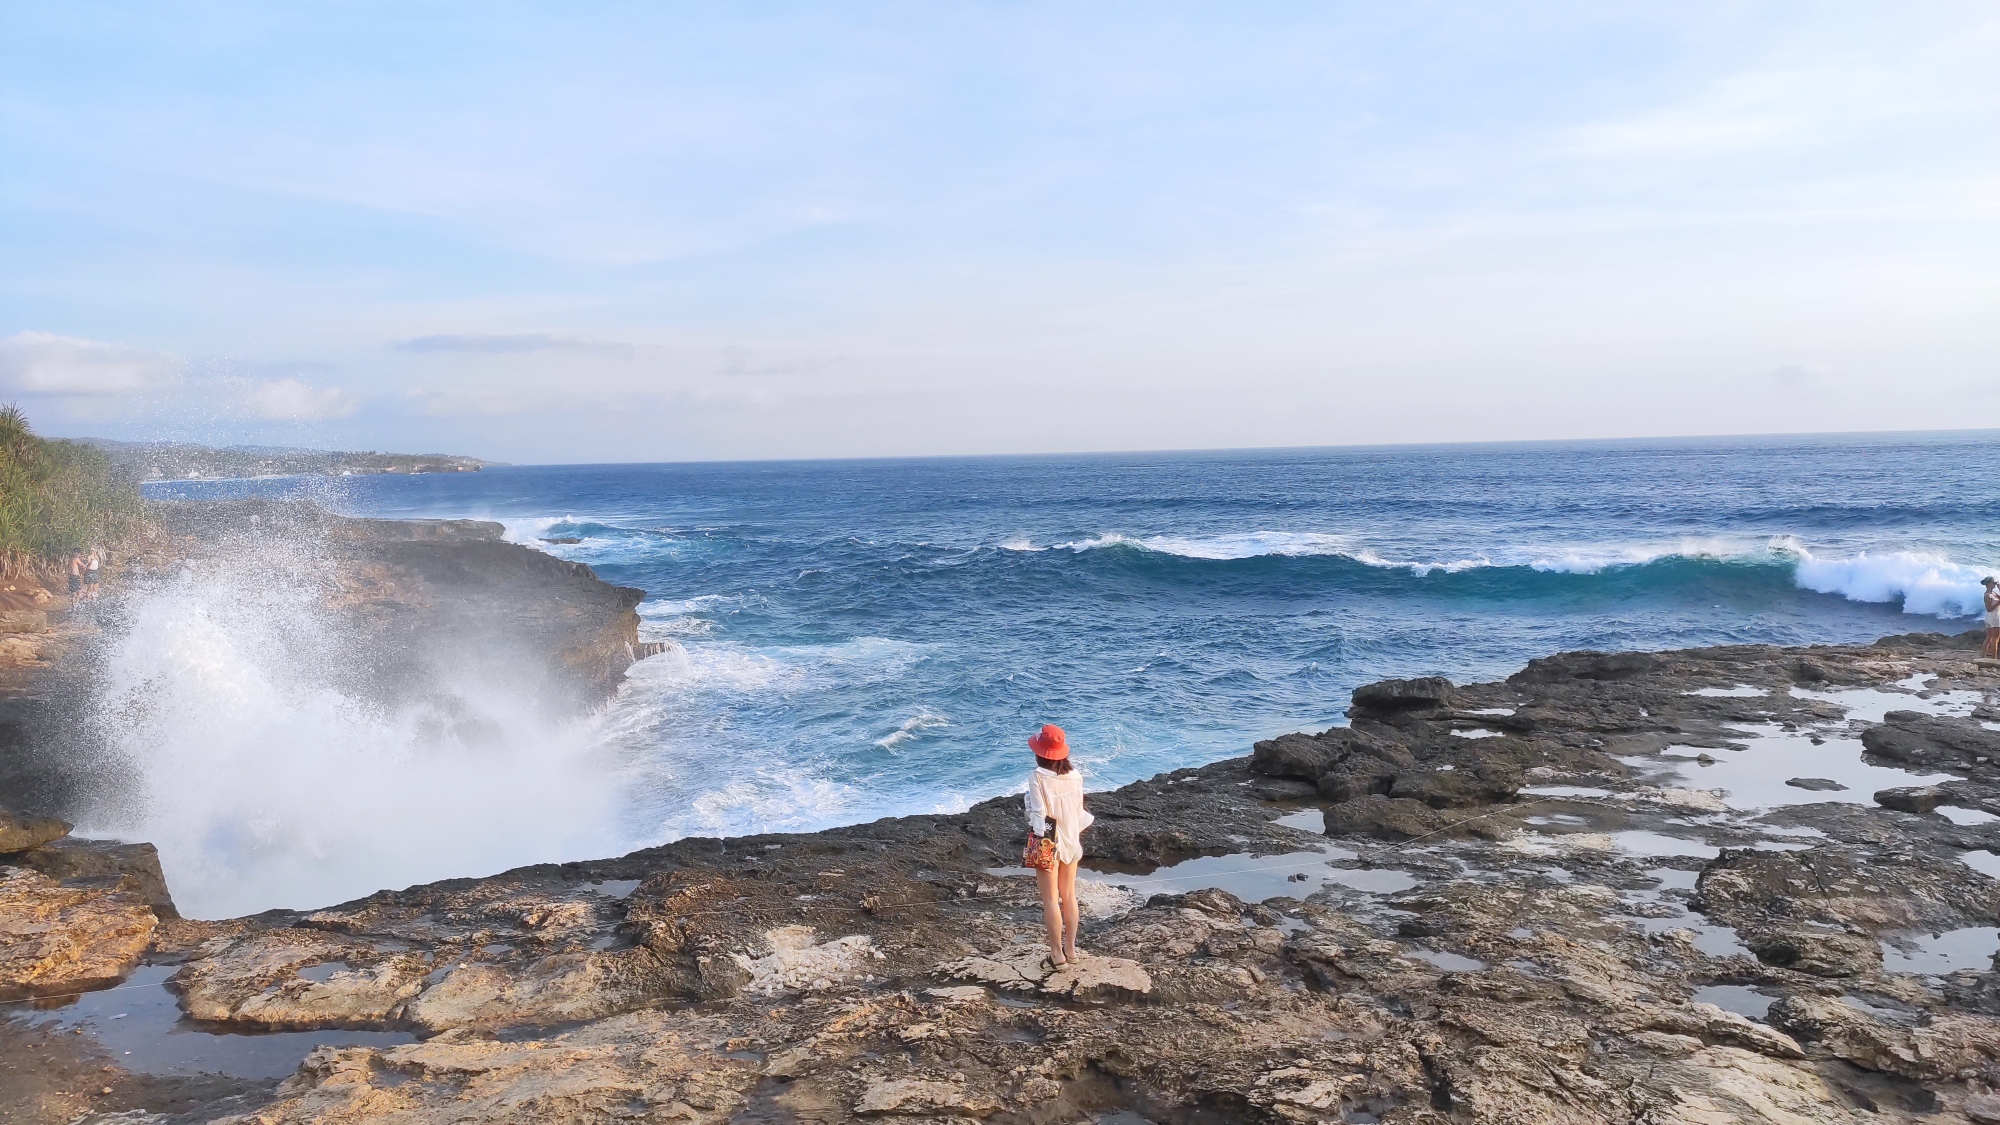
(674, 231)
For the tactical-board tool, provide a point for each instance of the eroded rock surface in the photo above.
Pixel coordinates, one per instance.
(1566, 897)
(57, 939)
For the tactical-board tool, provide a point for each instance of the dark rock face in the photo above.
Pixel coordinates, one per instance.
(1817, 784)
(1587, 666)
(133, 869)
(1385, 697)
(1930, 741)
(1911, 799)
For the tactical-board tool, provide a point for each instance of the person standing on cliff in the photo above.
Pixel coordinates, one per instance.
(1056, 820)
(1992, 599)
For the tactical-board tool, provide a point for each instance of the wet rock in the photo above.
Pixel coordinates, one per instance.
(1945, 1047)
(267, 980)
(1817, 784)
(1458, 788)
(23, 621)
(1819, 952)
(1845, 892)
(648, 1066)
(57, 939)
(1387, 697)
(1394, 818)
(134, 867)
(1934, 742)
(18, 833)
(1911, 799)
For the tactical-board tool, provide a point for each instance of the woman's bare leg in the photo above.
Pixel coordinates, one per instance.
(1992, 643)
(1046, 882)
(1072, 910)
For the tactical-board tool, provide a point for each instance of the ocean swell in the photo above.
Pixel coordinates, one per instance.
(1925, 583)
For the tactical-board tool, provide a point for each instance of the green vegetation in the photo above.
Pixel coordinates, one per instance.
(57, 497)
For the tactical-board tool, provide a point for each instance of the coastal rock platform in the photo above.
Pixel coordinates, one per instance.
(1587, 893)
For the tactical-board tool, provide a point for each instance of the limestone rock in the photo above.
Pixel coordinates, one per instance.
(135, 867)
(1983, 1108)
(18, 833)
(1944, 1047)
(299, 978)
(57, 939)
(561, 988)
(1025, 967)
(646, 1066)
(1931, 740)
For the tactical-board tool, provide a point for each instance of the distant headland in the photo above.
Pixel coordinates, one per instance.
(180, 461)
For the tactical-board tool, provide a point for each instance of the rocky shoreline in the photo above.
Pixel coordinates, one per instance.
(1748, 883)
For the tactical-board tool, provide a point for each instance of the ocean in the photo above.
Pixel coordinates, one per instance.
(860, 639)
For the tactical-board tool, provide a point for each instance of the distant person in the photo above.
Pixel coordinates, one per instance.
(75, 575)
(93, 573)
(1056, 820)
(1992, 648)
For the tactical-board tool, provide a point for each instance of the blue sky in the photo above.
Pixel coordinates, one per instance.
(660, 232)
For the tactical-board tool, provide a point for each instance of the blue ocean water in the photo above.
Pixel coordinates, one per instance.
(868, 638)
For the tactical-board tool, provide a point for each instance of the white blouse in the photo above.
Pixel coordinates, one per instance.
(1059, 797)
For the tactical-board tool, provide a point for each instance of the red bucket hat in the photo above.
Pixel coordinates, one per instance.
(1050, 744)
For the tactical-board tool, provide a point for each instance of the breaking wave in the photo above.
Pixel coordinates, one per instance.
(1926, 583)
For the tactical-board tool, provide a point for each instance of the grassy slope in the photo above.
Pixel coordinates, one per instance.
(56, 497)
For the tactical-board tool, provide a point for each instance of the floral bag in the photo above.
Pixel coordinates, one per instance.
(1040, 854)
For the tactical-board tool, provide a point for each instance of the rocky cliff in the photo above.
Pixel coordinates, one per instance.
(1735, 884)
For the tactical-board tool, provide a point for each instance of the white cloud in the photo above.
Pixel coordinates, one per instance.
(42, 363)
(294, 400)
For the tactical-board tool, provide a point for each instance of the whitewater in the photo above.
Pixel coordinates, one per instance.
(869, 638)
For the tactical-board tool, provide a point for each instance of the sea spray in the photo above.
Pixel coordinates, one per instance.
(232, 704)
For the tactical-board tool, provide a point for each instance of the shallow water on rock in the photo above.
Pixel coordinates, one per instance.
(140, 1026)
(1306, 820)
(1738, 998)
(1740, 691)
(1986, 863)
(1869, 705)
(1939, 954)
(1756, 778)
(1966, 816)
(1256, 878)
(1449, 962)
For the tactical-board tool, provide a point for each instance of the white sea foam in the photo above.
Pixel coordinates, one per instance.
(1926, 583)
(263, 784)
(913, 728)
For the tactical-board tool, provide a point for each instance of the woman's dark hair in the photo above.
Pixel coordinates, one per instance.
(1058, 766)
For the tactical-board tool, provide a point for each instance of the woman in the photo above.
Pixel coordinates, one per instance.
(1992, 600)
(1055, 793)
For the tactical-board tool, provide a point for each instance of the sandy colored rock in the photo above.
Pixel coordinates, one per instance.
(560, 989)
(1025, 967)
(56, 939)
(648, 1066)
(18, 833)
